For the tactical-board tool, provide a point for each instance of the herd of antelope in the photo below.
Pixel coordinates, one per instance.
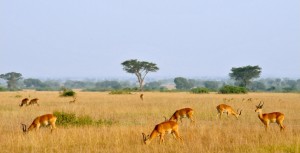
(169, 126)
(26, 102)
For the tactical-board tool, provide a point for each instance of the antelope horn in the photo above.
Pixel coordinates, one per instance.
(241, 112)
(258, 104)
(144, 136)
(24, 128)
(165, 118)
(262, 104)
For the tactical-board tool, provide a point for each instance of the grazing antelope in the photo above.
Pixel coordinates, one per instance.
(223, 108)
(73, 101)
(47, 119)
(24, 102)
(142, 96)
(183, 113)
(268, 118)
(34, 101)
(162, 129)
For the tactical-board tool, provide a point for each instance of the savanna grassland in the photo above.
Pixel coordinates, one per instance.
(129, 117)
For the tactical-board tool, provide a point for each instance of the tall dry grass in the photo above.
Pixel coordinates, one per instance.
(132, 116)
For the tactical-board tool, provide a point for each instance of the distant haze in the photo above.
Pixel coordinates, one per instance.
(90, 39)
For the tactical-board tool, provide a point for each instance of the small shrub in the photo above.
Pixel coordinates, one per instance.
(119, 92)
(232, 89)
(200, 90)
(67, 92)
(65, 119)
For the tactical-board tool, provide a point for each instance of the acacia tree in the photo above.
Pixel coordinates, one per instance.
(12, 79)
(243, 75)
(140, 69)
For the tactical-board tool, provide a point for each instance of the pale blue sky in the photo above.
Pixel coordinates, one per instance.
(90, 38)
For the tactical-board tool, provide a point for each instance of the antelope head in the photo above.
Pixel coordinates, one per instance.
(259, 106)
(145, 138)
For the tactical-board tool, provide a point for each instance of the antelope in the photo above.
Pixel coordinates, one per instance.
(162, 129)
(47, 119)
(73, 101)
(223, 108)
(34, 101)
(183, 113)
(142, 96)
(24, 102)
(268, 118)
(227, 99)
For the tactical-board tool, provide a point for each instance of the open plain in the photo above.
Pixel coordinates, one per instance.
(129, 116)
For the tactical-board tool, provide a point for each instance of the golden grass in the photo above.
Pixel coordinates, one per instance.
(133, 116)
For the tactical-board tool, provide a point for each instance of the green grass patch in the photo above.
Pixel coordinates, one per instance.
(119, 92)
(70, 119)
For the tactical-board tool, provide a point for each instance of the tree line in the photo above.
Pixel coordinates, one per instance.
(178, 83)
(245, 77)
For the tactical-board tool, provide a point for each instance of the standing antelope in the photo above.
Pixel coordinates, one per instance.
(142, 96)
(73, 101)
(268, 118)
(223, 108)
(47, 119)
(183, 113)
(162, 129)
(34, 101)
(24, 102)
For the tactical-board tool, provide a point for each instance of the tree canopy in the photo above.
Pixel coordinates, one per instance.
(243, 75)
(12, 79)
(140, 69)
(182, 83)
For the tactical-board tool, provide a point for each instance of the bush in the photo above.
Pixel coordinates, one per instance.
(200, 90)
(67, 92)
(65, 119)
(232, 89)
(119, 92)
(70, 119)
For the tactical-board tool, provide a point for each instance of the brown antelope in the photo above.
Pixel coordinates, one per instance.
(73, 101)
(223, 108)
(183, 113)
(47, 119)
(34, 101)
(268, 118)
(227, 99)
(142, 96)
(24, 102)
(162, 129)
